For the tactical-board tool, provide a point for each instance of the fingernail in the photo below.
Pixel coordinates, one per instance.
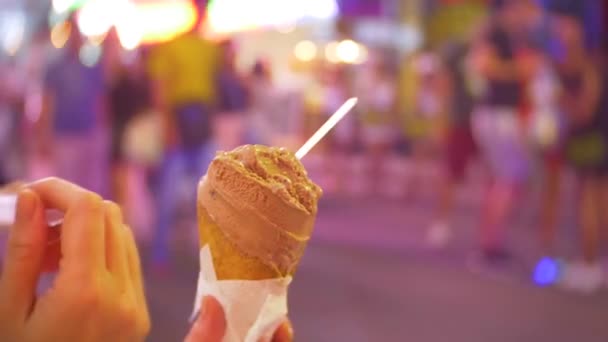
(26, 206)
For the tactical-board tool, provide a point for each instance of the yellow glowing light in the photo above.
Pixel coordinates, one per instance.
(98, 39)
(60, 6)
(305, 51)
(350, 52)
(157, 22)
(129, 37)
(60, 34)
(225, 16)
(136, 22)
(331, 52)
(96, 17)
(362, 55)
(287, 28)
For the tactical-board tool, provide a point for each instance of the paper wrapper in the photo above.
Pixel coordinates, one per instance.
(254, 309)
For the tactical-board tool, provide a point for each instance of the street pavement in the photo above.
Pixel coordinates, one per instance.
(369, 276)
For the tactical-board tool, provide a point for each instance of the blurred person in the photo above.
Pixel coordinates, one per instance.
(97, 294)
(341, 140)
(183, 73)
(265, 114)
(274, 110)
(73, 117)
(232, 100)
(428, 120)
(458, 146)
(499, 126)
(541, 122)
(128, 97)
(39, 51)
(377, 107)
(584, 99)
(9, 125)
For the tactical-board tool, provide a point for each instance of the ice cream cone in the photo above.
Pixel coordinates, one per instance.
(228, 260)
(256, 210)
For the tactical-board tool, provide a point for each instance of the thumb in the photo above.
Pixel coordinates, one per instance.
(210, 326)
(25, 251)
(284, 333)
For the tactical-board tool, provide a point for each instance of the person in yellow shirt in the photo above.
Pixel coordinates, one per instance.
(183, 73)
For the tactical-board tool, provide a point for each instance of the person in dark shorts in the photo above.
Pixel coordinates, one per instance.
(503, 62)
(584, 99)
(183, 80)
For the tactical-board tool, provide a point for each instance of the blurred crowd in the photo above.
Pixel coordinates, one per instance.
(526, 93)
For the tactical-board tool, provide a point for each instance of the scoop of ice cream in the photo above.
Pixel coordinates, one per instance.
(281, 171)
(263, 201)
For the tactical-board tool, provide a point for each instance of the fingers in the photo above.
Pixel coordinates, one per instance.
(210, 326)
(134, 269)
(284, 333)
(52, 254)
(133, 261)
(57, 193)
(82, 235)
(116, 246)
(25, 253)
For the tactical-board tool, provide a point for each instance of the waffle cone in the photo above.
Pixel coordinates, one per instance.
(230, 262)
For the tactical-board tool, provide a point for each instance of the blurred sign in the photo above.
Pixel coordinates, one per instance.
(225, 16)
(360, 8)
(404, 37)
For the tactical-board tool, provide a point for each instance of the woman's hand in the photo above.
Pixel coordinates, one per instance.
(98, 292)
(210, 325)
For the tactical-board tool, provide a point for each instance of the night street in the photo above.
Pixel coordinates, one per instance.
(377, 281)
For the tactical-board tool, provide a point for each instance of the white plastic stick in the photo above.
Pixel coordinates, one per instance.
(8, 207)
(326, 127)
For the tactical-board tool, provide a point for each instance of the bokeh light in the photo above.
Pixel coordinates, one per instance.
(305, 51)
(64, 6)
(12, 30)
(331, 52)
(226, 16)
(155, 22)
(136, 22)
(351, 52)
(90, 54)
(96, 17)
(60, 34)
(61, 6)
(547, 272)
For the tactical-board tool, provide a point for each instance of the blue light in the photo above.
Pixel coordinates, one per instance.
(546, 272)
